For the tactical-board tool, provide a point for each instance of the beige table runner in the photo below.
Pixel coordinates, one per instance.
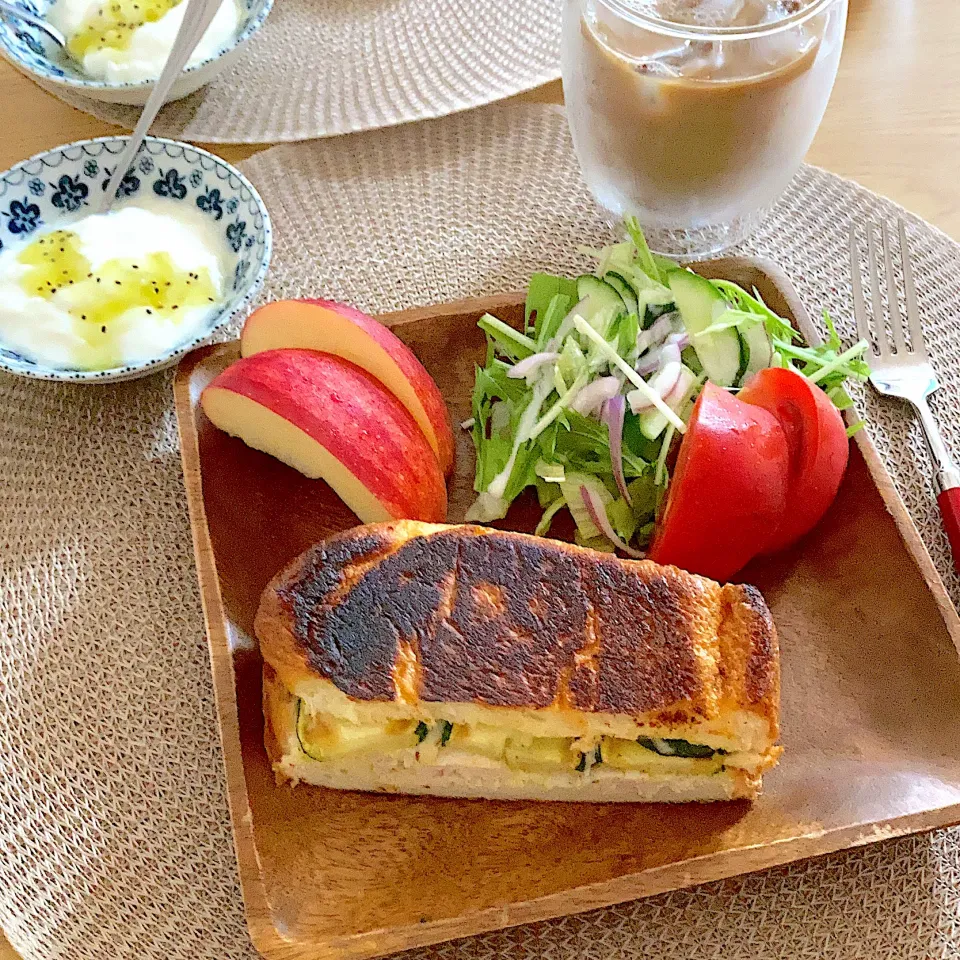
(114, 837)
(319, 68)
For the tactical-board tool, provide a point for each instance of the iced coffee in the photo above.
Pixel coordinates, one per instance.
(695, 114)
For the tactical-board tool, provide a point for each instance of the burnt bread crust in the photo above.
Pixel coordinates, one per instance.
(408, 611)
(295, 606)
(750, 653)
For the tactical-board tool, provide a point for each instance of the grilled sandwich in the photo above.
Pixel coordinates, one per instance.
(421, 658)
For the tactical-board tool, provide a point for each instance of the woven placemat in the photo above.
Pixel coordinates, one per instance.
(319, 68)
(114, 835)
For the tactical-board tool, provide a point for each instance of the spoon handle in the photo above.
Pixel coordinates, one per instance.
(19, 14)
(197, 18)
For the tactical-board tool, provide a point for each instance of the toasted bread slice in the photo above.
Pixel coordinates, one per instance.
(519, 645)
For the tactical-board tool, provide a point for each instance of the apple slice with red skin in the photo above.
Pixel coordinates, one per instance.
(331, 420)
(346, 332)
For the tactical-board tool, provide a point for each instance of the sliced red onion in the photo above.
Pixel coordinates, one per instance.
(661, 329)
(614, 411)
(639, 401)
(595, 394)
(648, 364)
(530, 364)
(669, 353)
(662, 384)
(598, 514)
(650, 340)
(686, 378)
(667, 378)
(682, 340)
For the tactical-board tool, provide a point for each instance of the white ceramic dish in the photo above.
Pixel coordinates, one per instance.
(55, 186)
(28, 49)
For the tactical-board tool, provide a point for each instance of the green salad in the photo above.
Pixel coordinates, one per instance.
(584, 403)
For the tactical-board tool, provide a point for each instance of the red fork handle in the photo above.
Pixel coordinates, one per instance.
(949, 502)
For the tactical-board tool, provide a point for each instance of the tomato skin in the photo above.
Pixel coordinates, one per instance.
(729, 488)
(817, 441)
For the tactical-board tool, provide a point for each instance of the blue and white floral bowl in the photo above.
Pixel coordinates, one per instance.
(54, 187)
(32, 52)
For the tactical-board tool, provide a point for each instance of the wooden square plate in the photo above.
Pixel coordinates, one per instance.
(871, 706)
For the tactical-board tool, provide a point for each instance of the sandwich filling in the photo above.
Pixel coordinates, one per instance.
(441, 743)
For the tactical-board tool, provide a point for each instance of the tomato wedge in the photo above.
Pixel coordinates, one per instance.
(729, 488)
(817, 443)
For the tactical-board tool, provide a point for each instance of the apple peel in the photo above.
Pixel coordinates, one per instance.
(331, 420)
(346, 332)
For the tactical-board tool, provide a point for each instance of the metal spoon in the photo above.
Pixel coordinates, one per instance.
(197, 18)
(8, 9)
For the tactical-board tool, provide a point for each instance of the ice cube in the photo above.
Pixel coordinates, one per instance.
(719, 13)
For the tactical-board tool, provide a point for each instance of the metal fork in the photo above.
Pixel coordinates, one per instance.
(899, 370)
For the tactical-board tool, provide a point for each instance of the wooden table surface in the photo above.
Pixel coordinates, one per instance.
(893, 123)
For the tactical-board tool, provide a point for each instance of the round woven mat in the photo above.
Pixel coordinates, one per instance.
(319, 68)
(114, 837)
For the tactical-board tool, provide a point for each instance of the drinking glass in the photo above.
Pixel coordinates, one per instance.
(696, 127)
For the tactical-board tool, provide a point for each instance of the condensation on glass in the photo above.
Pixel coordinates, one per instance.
(695, 114)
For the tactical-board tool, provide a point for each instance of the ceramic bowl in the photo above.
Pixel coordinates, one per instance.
(36, 55)
(54, 188)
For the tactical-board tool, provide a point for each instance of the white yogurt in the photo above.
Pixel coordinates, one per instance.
(148, 46)
(146, 277)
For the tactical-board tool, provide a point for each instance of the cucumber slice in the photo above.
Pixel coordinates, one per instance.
(481, 738)
(329, 739)
(626, 292)
(302, 733)
(678, 748)
(540, 754)
(720, 352)
(602, 296)
(652, 422)
(653, 298)
(656, 310)
(627, 755)
(756, 345)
